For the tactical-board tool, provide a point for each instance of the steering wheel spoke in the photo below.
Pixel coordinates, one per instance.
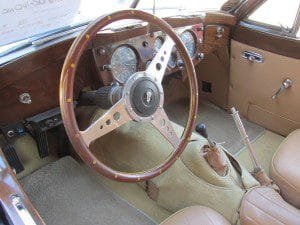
(162, 123)
(115, 117)
(160, 61)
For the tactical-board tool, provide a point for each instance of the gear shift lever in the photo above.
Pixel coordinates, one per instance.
(213, 155)
(201, 129)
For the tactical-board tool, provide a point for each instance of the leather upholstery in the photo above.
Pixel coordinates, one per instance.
(263, 205)
(285, 168)
(196, 215)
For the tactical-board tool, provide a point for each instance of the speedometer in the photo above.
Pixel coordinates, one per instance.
(123, 63)
(189, 42)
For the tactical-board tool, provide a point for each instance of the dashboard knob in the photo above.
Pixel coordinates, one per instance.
(180, 63)
(10, 133)
(200, 56)
(200, 28)
(107, 67)
(145, 44)
(49, 123)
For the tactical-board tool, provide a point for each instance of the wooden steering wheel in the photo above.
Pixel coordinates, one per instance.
(142, 99)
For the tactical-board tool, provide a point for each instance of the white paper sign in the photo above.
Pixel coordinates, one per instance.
(20, 19)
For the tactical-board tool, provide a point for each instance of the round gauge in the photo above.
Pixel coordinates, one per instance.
(158, 42)
(172, 60)
(123, 63)
(189, 42)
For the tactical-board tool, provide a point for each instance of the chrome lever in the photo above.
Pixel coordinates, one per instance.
(287, 83)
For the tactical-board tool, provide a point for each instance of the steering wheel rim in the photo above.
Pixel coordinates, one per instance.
(66, 96)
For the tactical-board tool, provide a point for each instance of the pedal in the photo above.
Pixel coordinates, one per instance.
(40, 124)
(12, 158)
(42, 143)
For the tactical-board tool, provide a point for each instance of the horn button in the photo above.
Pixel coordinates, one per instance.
(144, 97)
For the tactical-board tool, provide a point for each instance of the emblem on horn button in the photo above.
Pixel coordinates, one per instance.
(148, 96)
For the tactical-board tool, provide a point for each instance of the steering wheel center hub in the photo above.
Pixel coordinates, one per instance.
(143, 96)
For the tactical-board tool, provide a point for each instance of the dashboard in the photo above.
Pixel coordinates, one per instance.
(112, 56)
(116, 62)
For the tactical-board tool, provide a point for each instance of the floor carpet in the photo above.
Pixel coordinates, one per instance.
(264, 147)
(66, 193)
(219, 123)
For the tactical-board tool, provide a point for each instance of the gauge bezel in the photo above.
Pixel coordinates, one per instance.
(136, 53)
(194, 38)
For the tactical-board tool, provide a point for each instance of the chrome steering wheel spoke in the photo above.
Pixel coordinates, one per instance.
(115, 117)
(158, 65)
(162, 123)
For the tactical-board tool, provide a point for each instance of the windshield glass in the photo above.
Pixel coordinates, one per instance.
(177, 7)
(21, 20)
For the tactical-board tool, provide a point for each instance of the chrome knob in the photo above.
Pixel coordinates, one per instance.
(25, 98)
(287, 83)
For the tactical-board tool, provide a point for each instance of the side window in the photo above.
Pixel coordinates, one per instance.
(279, 15)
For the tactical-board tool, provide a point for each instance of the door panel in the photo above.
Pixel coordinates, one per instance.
(252, 84)
(263, 38)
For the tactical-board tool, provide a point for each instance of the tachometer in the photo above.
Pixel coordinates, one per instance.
(189, 42)
(158, 42)
(123, 63)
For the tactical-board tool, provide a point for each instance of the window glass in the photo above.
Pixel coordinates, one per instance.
(277, 13)
(22, 19)
(195, 5)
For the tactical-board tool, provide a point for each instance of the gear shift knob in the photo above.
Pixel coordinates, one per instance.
(201, 129)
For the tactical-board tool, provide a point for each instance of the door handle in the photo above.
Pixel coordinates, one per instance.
(287, 83)
(253, 56)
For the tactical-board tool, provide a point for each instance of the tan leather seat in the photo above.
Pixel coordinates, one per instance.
(285, 168)
(196, 215)
(263, 205)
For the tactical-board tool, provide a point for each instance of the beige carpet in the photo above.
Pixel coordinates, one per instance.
(27, 151)
(265, 147)
(65, 192)
(219, 123)
(137, 197)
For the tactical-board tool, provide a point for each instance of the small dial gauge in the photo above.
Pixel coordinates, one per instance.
(172, 60)
(158, 42)
(189, 42)
(123, 63)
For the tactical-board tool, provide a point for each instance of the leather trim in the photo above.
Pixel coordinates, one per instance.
(283, 168)
(263, 205)
(195, 215)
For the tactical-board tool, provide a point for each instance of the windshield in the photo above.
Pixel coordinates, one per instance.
(176, 7)
(21, 20)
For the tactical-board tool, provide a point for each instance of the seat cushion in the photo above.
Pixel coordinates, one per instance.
(196, 215)
(264, 205)
(285, 168)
